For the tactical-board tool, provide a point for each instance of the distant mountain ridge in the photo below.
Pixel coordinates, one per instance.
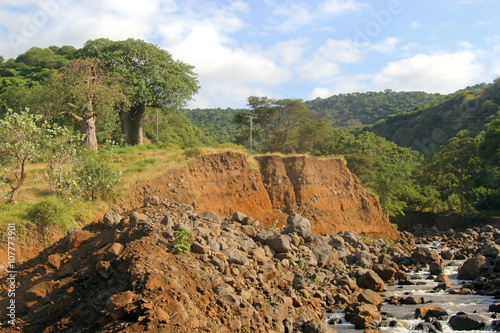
(425, 129)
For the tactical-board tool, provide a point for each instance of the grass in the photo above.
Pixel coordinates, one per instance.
(138, 164)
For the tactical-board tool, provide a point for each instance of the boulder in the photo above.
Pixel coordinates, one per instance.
(337, 242)
(426, 327)
(235, 256)
(111, 218)
(367, 319)
(471, 268)
(430, 311)
(364, 259)
(238, 216)
(212, 216)
(494, 308)
(152, 201)
(447, 255)
(279, 243)
(370, 297)
(491, 249)
(137, 218)
(317, 326)
(423, 255)
(298, 224)
(371, 280)
(467, 322)
(436, 267)
(385, 272)
(228, 294)
(325, 255)
(441, 277)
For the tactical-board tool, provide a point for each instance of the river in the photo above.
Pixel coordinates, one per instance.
(403, 315)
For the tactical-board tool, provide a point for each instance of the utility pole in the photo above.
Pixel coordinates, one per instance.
(251, 118)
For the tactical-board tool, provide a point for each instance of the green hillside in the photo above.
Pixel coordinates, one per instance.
(369, 107)
(430, 126)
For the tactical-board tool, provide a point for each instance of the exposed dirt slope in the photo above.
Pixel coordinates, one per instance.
(269, 188)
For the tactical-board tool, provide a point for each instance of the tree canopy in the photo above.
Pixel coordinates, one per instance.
(152, 77)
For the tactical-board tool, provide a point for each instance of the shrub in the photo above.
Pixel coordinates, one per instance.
(51, 212)
(193, 152)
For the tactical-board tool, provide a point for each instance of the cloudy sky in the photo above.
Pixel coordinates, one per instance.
(282, 48)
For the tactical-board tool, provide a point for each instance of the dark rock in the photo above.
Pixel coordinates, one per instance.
(436, 267)
(385, 272)
(370, 297)
(279, 243)
(212, 216)
(471, 268)
(426, 327)
(367, 319)
(299, 225)
(494, 308)
(467, 322)
(317, 326)
(371, 280)
(325, 255)
(430, 311)
(239, 217)
(423, 256)
(111, 218)
(152, 201)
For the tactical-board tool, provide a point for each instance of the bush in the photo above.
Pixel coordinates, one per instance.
(193, 152)
(51, 212)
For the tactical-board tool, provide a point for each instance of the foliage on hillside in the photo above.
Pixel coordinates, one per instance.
(217, 123)
(30, 81)
(356, 109)
(430, 126)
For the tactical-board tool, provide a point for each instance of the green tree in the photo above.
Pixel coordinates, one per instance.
(284, 125)
(454, 164)
(85, 90)
(382, 167)
(21, 135)
(153, 78)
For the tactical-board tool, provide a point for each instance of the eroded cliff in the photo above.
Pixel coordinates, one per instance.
(269, 188)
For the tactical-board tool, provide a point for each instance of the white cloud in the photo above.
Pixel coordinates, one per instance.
(385, 46)
(300, 14)
(444, 73)
(465, 45)
(288, 52)
(415, 25)
(339, 7)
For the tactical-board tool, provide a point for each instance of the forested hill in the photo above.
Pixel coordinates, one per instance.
(342, 110)
(428, 127)
(217, 123)
(369, 107)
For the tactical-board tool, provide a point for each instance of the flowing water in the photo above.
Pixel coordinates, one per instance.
(403, 315)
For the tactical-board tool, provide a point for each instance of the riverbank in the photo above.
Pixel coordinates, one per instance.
(163, 267)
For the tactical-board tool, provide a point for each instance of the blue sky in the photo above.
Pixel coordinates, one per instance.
(282, 49)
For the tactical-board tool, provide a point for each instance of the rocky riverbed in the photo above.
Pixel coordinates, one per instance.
(129, 273)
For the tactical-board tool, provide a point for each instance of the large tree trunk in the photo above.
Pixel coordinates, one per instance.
(132, 121)
(88, 128)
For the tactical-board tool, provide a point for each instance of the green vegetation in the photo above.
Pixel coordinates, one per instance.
(345, 110)
(412, 150)
(180, 244)
(51, 212)
(431, 125)
(284, 126)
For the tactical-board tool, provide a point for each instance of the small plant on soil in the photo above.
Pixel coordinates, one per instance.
(180, 244)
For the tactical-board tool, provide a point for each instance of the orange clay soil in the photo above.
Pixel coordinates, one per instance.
(270, 187)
